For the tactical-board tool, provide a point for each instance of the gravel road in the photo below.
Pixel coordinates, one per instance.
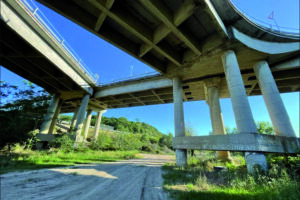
(135, 179)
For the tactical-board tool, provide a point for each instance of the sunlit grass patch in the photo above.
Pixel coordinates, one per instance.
(45, 159)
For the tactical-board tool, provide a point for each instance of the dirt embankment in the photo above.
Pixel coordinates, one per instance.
(136, 179)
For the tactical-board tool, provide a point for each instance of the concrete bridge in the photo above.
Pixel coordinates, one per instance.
(203, 50)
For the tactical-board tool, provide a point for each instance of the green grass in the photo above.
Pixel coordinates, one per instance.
(199, 181)
(27, 159)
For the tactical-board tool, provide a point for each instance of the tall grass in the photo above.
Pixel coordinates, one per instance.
(200, 181)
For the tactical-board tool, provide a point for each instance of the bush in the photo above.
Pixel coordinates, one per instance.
(63, 142)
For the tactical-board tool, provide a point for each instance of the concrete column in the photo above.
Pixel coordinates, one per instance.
(212, 96)
(97, 125)
(74, 118)
(181, 154)
(80, 118)
(279, 116)
(57, 111)
(241, 107)
(87, 123)
(49, 115)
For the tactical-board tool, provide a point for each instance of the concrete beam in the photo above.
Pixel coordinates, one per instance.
(103, 15)
(134, 87)
(265, 46)
(292, 63)
(133, 25)
(242, 142)
(216, 19)
(172, 20)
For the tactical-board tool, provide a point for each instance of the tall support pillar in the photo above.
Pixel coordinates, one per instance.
(241, 107)
(212, 98)
(97, 125)
(57, 111)
(87, 123)
(279, 116)
(181, 154)
(49, 115)
(80, 117)
(74, 118)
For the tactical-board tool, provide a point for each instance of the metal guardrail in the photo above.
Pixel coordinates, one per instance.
(43, 20)
(269, 27)
(131, 78)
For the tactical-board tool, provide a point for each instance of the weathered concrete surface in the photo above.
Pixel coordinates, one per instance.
(156, 83)
(265, 46)
(80, 117)
(239, 142)
(181, 154)
(137, 179)
(45, 127)
(97, 125)
(216, 117)
(278, 114)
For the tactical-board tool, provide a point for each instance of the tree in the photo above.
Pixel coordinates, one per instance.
(261, 126)
(264, 128)
(21, 111)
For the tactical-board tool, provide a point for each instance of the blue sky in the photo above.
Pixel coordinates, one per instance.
(110, 63)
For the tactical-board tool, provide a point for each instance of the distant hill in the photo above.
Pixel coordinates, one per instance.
(123, 124)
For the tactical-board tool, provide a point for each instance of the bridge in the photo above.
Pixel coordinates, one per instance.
(202, 49)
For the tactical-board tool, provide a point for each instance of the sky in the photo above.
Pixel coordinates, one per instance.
(111, 63)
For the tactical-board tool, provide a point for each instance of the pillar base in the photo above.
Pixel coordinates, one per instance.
(223, 156)
(253, 159)
(181, 157)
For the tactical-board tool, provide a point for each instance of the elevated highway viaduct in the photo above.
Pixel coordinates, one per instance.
(203, 50)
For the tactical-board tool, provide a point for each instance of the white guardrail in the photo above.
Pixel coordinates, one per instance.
(267, 26)
(44, 21)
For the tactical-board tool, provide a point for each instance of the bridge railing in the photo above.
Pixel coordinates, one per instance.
(131, 78)
(43, 20)
(267, 26)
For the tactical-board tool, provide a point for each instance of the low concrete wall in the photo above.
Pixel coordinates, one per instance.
(247, 142)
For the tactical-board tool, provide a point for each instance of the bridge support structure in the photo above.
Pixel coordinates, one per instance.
(57, 111)
(87, 123)
(211, 87)
(74, 118)
(181, 154)
(278, 114)
(80, 118)
(241, 107)
(50, 114)
(97, 125)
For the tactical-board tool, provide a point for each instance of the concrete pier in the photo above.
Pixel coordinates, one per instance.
(241, 107)
(181, 154)
(80, 118)
(279, 116)
(87, 123)
(74, 118)
(212, 90)
(57, 111)
(50, 113)
(97, 125)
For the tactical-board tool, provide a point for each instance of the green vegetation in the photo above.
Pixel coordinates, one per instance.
(200, 181)
(22, 159)
(22, 115)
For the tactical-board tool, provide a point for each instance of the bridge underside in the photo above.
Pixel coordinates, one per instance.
(178, 39)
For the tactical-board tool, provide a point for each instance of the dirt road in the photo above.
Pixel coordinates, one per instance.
(136, 179)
